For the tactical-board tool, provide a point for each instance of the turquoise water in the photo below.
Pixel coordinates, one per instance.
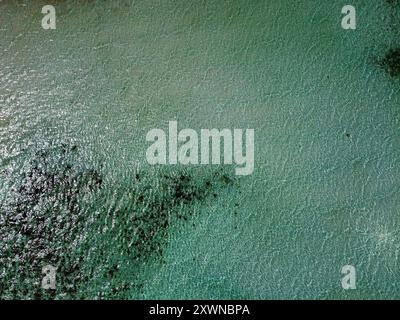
(76, 192)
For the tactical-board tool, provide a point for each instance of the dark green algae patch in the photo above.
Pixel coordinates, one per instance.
(393, 2)
(391, 62)
(101, 235)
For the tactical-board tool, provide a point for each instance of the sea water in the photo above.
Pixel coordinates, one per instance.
(76, 190)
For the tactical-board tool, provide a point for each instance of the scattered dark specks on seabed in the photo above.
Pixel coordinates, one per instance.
(64, 214)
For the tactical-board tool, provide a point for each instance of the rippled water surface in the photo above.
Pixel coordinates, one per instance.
(76, 191)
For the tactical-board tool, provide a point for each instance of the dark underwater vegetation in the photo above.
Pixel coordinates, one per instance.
(58, 215)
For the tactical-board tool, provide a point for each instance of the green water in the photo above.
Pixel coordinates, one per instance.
(76, 192)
